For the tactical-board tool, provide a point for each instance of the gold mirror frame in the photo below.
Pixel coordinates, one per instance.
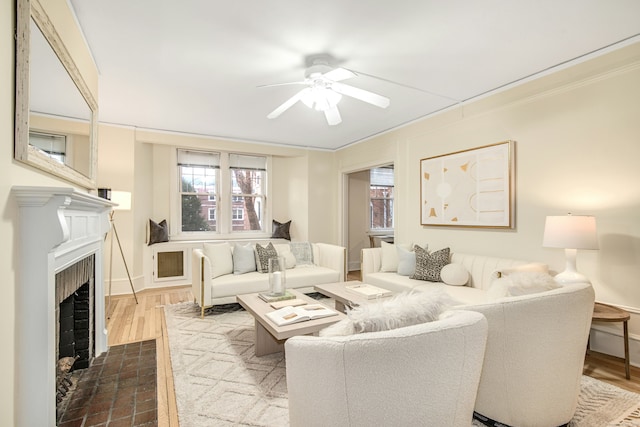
(24, 152)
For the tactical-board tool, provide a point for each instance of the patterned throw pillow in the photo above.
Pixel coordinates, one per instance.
(263, 255)
(429, 265)
(303, 251)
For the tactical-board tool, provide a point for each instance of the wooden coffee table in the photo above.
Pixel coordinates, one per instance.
(270, 337)
(343, 296)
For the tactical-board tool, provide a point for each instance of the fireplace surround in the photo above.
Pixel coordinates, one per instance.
(58, 227)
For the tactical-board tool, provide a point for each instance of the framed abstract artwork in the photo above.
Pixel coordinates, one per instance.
(470, 188)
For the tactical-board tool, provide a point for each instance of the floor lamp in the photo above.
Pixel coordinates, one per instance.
(123, 200)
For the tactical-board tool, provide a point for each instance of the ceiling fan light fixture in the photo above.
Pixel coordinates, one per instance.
(324, 90)
(321, 98)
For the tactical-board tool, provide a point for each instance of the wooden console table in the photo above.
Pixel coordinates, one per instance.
(609, 313)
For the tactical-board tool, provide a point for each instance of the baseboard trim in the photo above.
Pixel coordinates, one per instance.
(608, 340)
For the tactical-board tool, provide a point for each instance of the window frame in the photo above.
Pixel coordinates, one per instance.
(370, 199)
(224, 193)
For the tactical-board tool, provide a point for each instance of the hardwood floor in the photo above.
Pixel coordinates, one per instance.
(131, 322)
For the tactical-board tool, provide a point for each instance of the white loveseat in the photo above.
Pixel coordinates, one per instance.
(214, 282)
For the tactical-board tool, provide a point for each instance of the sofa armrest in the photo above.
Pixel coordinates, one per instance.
(333, 257)
(370, 261)
(201, 279)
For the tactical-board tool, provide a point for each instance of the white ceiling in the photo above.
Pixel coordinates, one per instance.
(195, 66)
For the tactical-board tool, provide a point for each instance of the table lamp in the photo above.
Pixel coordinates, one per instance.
(570, 232)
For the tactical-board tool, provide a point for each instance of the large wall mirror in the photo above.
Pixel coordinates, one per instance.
(56, 113)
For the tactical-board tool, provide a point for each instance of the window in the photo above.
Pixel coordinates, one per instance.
(238, 214)
(54, 146)
(221, 192)
(247, 191)
(381, 198)
(199, 173)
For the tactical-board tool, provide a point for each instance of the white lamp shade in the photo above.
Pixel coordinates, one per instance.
(570, 232)
(123, 199)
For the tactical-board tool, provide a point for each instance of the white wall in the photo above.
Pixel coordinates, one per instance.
(302, 189)
(577, 136)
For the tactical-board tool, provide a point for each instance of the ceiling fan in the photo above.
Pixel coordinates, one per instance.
(323, 90)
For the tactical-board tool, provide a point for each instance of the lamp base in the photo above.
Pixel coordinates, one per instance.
(570, 274)
(568, 277)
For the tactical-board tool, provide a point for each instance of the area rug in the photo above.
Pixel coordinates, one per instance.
(219, 381)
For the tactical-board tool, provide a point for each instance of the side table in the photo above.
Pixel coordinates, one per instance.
(608, 313)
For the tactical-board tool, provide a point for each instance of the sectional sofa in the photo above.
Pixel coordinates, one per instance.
(537, 335)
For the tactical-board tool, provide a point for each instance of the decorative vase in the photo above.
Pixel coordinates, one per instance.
(277, 276)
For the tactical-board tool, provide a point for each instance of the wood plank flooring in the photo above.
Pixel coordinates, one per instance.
(130, 322)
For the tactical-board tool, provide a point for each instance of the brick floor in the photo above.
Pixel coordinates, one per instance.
(118, 389)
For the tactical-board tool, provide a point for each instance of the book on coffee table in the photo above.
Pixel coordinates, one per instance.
(273, 298)
(369, 291)
(287, 303)
(288, 315)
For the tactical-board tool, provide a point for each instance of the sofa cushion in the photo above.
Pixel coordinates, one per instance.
(529, 267)
(285, 252)
(244, 259)
(454, 274)
(406, 261)
(521, 283)
(405, 309)
(389, 257)
(263, 255)
(232, 284)
(429, 265)
(220, 257)
(303, 252)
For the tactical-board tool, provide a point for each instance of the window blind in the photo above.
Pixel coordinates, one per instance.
(241, 161)
(198, 158)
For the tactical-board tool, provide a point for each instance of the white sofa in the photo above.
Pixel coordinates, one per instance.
(419, 375)
(482, 271)
(329, 266)
(536, 343)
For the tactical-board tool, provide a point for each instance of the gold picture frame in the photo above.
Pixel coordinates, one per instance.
(469, 188)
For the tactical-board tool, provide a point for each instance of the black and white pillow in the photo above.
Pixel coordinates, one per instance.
(263, 255)
(429, 265)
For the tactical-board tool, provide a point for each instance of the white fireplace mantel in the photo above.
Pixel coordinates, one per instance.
(58, 226)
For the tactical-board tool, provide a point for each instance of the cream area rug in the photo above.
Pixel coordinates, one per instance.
(219, 381)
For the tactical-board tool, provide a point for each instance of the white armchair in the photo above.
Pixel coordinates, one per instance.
(535, 356)
(425, 374)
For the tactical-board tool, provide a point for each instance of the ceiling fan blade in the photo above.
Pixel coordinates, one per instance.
(339, 74)
(361, 94)
(288, 104)
(282, 84)
(333, 116)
